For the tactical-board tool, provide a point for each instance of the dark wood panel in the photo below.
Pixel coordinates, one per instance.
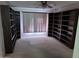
(9, 27)
(63, 26)
(6, 28)
(50, 24)
(17, 18)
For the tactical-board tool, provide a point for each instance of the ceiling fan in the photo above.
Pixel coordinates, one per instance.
(45, 4)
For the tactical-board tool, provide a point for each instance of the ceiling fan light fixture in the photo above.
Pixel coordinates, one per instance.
(45, 4)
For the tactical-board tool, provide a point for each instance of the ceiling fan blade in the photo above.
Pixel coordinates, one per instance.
(44, 3)
(50, 6)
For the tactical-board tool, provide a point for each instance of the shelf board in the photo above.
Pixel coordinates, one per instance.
(15, 29)
(67, 25)
(56, 32)
(17, 13)
(57, 28)
(56, 16)
(56, 24)
(13, 36)
(56, 36)
(12, 26)
(11, 13)
(66, 42)
(51, 16)
(65, 20)
(49, 33)
(68, 38)
(50, 27)
(11, 19)
(58, 20)
(66, 30)
(65, 15)
(69, 15)
(50, 23)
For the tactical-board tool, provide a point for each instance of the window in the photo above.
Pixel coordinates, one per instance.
(34, 22)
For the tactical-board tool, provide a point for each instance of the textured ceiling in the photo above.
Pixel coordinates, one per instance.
(35, 4)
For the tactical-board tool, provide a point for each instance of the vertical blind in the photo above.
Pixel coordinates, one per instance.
(34, 22)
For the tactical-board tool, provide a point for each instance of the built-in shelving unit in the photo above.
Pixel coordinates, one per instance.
(17, 18)
(13, 26)
(9, 27)
(50, 24)
(63, 27)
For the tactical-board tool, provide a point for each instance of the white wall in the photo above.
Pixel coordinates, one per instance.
(2, 49)
(1, 38)
(3, 3)
(76, 48)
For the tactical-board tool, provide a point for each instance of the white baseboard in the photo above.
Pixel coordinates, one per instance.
(31, 35)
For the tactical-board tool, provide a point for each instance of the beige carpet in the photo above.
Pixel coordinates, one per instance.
(40, 47)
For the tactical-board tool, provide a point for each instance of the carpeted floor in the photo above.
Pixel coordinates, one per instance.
(40, 47)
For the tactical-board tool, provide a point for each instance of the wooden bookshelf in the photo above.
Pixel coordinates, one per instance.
(17, 18)
(9, 28)
(50, 24)
(13, 27)
(64, 26)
